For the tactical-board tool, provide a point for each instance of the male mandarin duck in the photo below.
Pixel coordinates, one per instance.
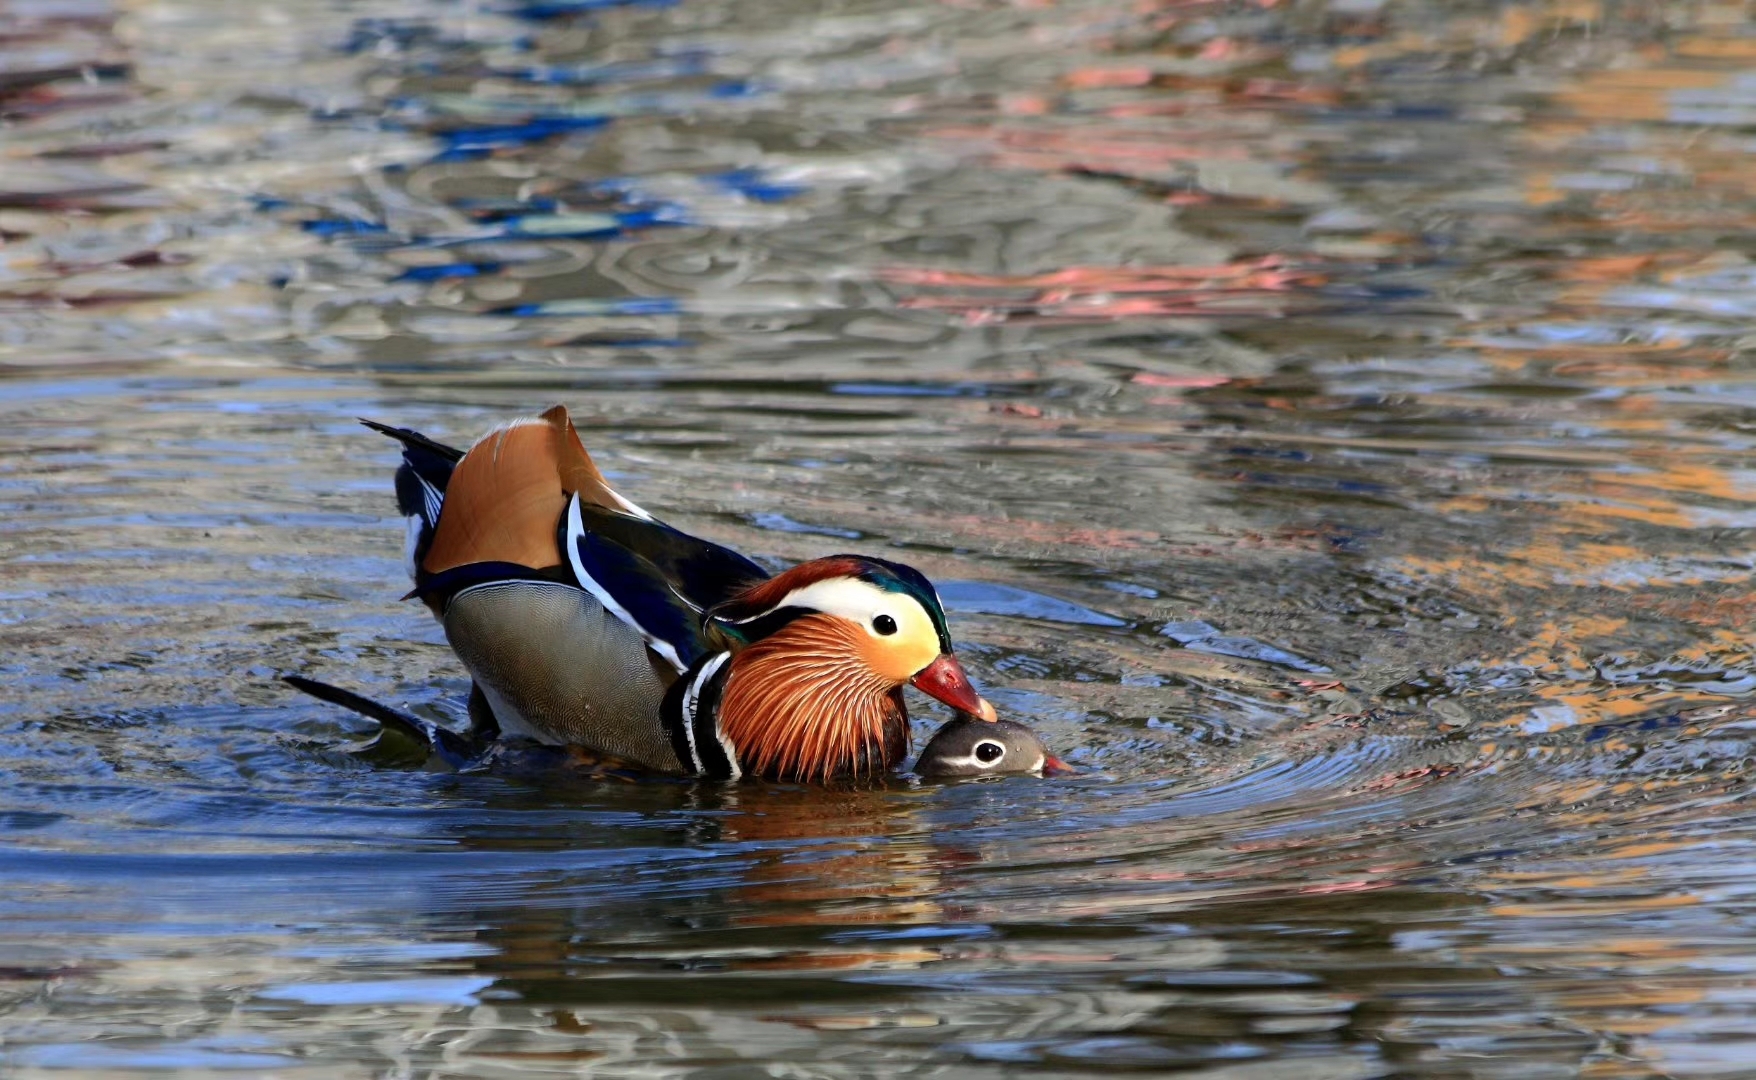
(584, 620)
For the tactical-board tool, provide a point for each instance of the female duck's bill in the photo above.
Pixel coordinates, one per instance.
(584, 620)
(970, 746)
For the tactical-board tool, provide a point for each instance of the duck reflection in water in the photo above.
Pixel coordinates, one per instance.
(867, 852)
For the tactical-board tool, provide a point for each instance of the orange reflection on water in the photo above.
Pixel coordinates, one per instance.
(867, 859)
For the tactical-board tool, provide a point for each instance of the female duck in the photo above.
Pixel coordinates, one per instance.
(584, 620)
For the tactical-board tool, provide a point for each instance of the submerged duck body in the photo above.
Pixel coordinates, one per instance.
(584, 620)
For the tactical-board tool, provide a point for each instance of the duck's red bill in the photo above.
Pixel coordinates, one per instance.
(1054, 766)
(945, 680)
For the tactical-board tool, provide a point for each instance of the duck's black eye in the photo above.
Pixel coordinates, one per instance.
(885, 625)
(989, 752)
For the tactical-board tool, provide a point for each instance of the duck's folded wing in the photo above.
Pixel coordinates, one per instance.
(526, 503)
(432, 457)
(701, 572)
(652, 576)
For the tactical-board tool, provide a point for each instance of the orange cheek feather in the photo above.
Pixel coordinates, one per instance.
(808, 703)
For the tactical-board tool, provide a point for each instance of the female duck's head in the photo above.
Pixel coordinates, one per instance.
(969, 746)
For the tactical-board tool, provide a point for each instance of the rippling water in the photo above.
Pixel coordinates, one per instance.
(1330, 424)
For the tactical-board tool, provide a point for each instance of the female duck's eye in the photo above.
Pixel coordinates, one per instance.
(990, 751)
(884, 624)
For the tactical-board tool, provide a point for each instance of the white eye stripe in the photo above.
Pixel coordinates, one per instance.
(951, 766)
(966, 760)
(846, 597)
(947, 766)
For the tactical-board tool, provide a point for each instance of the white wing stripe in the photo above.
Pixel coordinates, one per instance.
(629, 506)
(576, 529)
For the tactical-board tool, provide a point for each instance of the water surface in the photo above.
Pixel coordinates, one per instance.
(1330, 425)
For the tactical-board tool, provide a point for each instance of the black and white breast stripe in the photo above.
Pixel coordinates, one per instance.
(690, 713)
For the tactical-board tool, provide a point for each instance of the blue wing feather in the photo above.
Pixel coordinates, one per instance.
(652, 576)
(700, 572)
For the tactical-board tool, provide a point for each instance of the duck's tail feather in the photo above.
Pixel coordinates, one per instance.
(421, 481)
(414, 440)
(453, 749)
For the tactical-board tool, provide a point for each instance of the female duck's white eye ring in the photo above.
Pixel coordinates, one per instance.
(884, 624)
(989, 752)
